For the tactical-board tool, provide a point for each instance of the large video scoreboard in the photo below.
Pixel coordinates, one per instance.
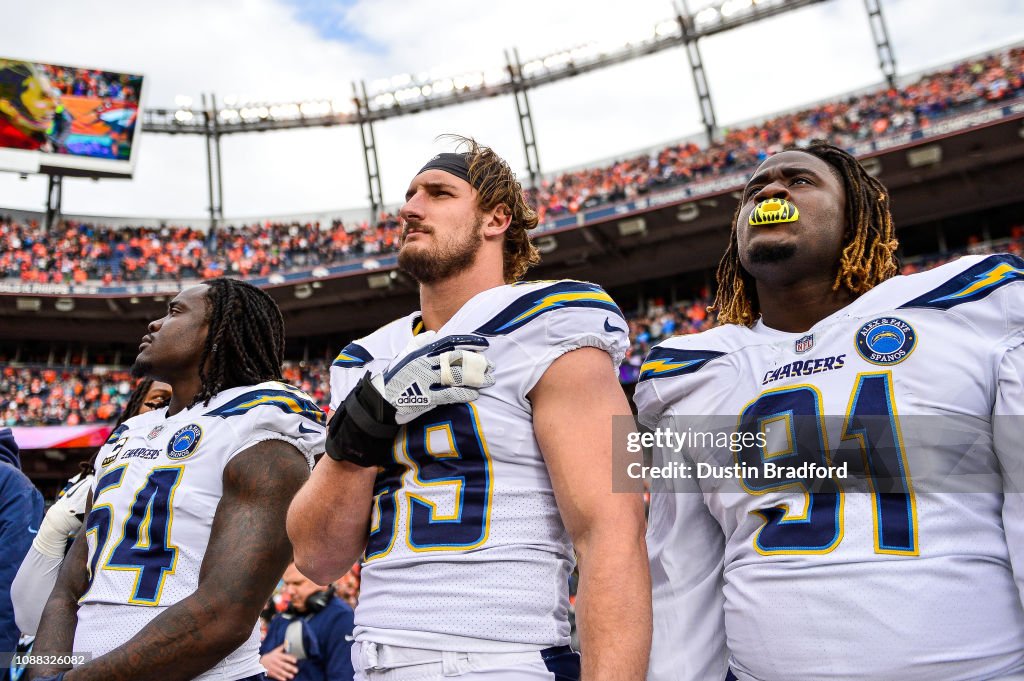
(68, 120)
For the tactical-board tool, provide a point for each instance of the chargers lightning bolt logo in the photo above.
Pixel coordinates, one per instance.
(974, 283)
(999, 274)
(664, 362)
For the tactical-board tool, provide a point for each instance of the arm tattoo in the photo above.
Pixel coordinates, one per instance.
(56, 633)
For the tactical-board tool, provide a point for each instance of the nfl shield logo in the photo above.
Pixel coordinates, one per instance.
(153, 433)
(804, 344)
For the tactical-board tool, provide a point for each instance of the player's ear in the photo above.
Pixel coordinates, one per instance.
(497, 220)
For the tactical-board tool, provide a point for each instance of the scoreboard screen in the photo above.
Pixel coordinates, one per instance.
(67, 119)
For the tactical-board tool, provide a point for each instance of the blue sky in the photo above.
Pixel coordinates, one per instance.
(330, 19)
(290, 50)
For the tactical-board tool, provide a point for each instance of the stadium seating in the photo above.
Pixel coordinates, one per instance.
(38, 395)
(81, 252)
(967, 85)
(35, 395)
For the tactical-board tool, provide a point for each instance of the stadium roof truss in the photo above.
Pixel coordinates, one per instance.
(408, 94)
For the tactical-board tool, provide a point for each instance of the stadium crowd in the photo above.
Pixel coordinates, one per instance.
(967, 85)
(70, 396)
(33, 395)
(86, 83)
(80, 252)
(61, 396)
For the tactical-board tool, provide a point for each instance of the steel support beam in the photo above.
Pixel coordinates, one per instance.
(213, 170)
(376, 195)
(217, 158)
(54, 196)
(164, 120)
(886, 59)
(700, 80)
(526, 130)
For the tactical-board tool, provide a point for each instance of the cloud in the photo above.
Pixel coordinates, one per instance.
(289, 50)
(331, 20)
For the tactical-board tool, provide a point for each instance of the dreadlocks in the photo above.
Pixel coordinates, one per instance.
(869, 244)
(135, 401)
(245, 342)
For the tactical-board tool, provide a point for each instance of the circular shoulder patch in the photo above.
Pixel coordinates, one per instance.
(184, 442)
(886, 340)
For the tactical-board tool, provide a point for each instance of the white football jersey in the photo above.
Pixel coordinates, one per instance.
(158, 482)
(467, 551)
(900, 563)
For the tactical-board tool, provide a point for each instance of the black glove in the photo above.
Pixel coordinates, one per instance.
(363, 428)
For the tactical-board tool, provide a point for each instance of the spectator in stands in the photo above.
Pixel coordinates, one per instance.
(35, 579)
(48, 396)
(32, 396)
(80, 252)
(347, 587)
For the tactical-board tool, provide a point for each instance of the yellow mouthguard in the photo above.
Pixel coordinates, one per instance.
(773, 212)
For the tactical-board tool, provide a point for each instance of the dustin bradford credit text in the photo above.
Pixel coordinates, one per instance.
(766, 471)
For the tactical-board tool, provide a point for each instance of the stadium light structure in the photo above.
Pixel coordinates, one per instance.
(409, 93)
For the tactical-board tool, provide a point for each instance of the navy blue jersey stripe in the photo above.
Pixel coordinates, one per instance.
(286, 401)
(559, 295)
(352, 357)
(974, 283)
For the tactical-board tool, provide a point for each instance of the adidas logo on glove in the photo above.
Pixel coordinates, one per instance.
(430, 375)
(413, 396)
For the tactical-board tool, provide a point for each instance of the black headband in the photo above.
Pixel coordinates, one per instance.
(453, 164)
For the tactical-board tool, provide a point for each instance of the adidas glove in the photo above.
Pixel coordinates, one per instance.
(363, 428)
(436, 375)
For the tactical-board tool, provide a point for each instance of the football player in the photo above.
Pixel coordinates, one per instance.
(185, 539)
(470, 514)
(38, 572)
(867, 522)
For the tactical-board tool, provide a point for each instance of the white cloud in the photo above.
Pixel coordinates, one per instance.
(257, 49)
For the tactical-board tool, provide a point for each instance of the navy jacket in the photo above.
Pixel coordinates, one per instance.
(21, 511)
(325, 636)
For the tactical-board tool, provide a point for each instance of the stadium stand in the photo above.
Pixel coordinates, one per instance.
(967, 85)
(82, 252)
(34, 395)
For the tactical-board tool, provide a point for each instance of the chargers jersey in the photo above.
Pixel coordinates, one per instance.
(910, 575)
(467, 551)
(159, 480)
